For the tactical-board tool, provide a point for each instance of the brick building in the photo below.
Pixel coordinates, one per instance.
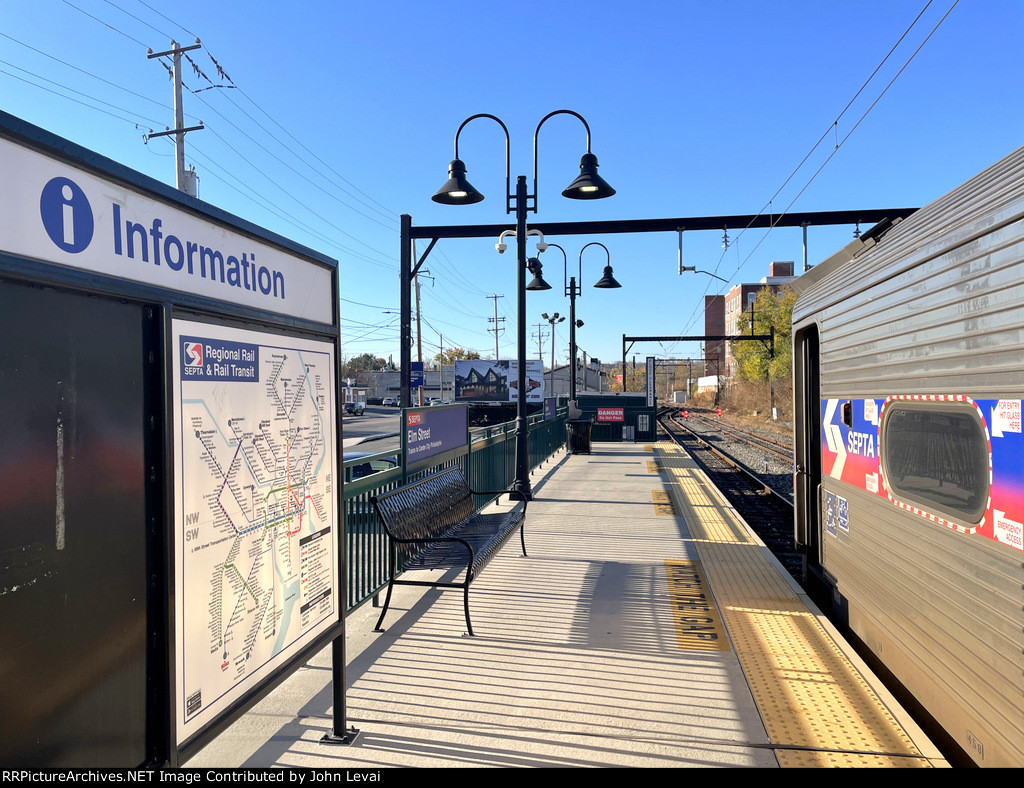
(740, 298)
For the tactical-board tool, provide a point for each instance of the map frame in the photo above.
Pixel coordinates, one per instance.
(188, 728)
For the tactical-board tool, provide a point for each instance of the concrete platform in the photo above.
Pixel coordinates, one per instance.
(603, 648)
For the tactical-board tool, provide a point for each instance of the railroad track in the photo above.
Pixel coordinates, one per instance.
(767, 458)
(778, 448)
(767, 510)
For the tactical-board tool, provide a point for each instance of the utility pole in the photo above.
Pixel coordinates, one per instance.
(419, 331)
(185, 179)
(540, 340)
(496, 320)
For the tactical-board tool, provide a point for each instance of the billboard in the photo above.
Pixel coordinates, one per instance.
(497, 381)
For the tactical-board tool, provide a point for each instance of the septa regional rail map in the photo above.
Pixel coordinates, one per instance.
(256, 522)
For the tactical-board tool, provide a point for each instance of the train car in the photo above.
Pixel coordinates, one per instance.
(909, 466)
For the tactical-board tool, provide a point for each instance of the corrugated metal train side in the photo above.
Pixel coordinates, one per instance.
(908, 377)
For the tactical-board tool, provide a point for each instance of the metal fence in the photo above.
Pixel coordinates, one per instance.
(488, 464)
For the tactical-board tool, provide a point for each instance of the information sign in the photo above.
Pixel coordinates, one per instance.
(59, 213)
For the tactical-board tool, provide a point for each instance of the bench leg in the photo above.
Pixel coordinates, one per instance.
(387, 601)
(522, 537)
(465, 604)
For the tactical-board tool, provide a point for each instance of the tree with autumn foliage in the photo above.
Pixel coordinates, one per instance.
(451, 355)
(753, 359)
(636, 379)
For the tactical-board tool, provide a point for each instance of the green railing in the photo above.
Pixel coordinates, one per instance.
(488, 463)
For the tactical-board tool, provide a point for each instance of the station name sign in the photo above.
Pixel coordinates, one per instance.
(432, 431)
(68, 215)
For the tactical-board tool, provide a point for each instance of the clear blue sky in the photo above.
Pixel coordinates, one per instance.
(344, 113)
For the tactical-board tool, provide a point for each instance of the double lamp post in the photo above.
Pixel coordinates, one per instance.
(572, 290)
(458, 191)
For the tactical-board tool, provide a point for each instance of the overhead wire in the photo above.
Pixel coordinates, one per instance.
(833, 127)
(71, 98)
(135, 40)
(225, 175)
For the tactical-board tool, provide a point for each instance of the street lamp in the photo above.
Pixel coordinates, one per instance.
(553, 320)
(572, 289)
(458, 191)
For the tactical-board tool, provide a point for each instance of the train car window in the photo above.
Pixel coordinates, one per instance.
(936, 457)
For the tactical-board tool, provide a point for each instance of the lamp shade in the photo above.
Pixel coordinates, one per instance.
(457, 190)
(607, 281)
(538, 283)
(589, 185)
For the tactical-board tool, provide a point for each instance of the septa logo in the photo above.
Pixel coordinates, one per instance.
(414, 419)
(193, 354)
(66, 214)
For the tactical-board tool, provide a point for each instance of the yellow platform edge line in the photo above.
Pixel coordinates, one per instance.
(810, 696)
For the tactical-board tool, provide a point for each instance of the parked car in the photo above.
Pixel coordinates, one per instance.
(369, 467)
(389, 402)
(354, 408)
(441, 402)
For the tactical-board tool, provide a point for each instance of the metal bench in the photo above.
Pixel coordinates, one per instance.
(433, 524)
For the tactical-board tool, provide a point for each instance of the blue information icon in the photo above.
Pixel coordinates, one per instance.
(66, 214)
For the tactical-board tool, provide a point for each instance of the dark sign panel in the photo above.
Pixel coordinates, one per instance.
(427, 432)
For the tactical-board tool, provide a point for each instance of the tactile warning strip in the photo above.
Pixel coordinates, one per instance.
(817, 708)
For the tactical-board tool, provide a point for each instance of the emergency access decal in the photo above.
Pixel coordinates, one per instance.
(851, 450)
(837, 513)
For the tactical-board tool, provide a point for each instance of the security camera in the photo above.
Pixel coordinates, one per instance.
(501, 247)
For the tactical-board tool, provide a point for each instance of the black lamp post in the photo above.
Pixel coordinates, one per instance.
(458, 191)
(572, 289)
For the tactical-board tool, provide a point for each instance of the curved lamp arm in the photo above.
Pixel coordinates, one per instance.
(508, 162)
(565, 266)
(607, 253)
(537, 132)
